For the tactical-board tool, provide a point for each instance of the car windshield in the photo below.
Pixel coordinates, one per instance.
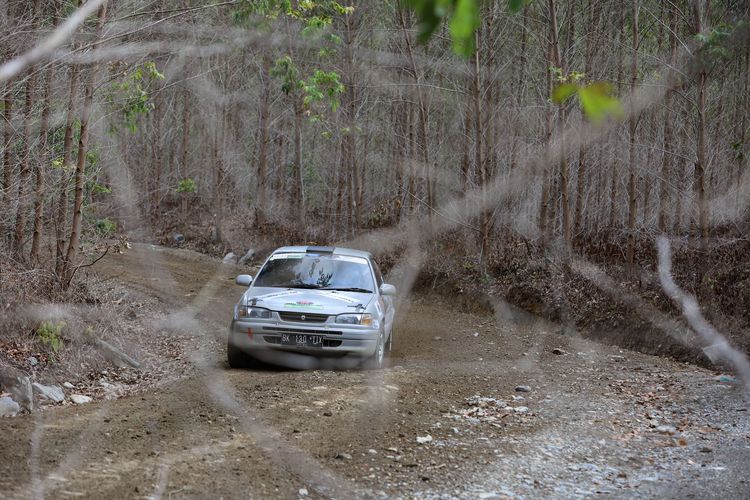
(327, 272)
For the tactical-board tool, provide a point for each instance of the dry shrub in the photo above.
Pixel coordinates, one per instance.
(47, 330)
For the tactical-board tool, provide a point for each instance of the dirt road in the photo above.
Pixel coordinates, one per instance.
(444, 420)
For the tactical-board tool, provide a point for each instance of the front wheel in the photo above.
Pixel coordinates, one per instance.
(377, 360)
(236, 357)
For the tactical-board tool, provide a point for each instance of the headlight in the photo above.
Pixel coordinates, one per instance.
(244, 311)
(357, 319)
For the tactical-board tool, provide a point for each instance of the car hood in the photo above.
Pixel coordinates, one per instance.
(312, 301)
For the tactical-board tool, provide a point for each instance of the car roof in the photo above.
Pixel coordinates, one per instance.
(318, 249)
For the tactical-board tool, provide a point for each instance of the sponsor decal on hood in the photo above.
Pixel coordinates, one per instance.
(303, 303)
(323, 301)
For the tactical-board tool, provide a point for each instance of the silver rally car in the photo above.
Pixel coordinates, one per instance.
(308, 303)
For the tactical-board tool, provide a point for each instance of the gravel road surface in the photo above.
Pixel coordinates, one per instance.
(471, 406)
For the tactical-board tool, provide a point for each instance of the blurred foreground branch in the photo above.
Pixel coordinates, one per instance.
(58, 37)
(695, 319)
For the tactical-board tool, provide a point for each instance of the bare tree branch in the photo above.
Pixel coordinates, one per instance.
(58, 37)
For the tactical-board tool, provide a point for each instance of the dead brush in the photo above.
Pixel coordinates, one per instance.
(45, 330)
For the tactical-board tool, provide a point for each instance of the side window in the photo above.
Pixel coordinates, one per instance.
(378, 275)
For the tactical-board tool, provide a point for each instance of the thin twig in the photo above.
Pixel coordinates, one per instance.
(88, 265)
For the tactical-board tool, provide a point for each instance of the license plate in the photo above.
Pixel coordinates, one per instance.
(301, 340)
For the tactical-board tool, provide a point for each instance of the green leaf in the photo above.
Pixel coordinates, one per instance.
(516, 5)
(464, 22)
(563, 92)
(186, 185)
(598, 103)
(100, 189)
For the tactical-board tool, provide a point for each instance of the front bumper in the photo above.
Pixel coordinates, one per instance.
(338, 339)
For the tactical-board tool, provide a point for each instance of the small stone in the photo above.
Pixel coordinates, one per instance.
(18, 386)
(32, 361)
(476, 334)
(327, 414)
(303, 492)
(8, 407)
(80, 399)
(617, 358)
(518, 398)
(666, 429)
(342, 456)
(52, 392)
(437, 338)
(706, 449)
(558, 351)
(520, 409)
(249, 255)
(229, 258)
(178, 238)
(372, 451)
(68, 385)
(424, 439)
(523, 388)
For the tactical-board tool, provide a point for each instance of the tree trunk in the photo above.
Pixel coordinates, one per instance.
(25, 172)
(633, 129)
(678, 204)
(7, 145)
(546, 171)
(23, 175)
(422, 115)
(740, 153)
(61, 218)
(564, 175)
(647, 182)
(8, 130)
(261, 201)
(520, 88)
(666, 162)
(613, 190)
(298, 194)
(582, 170)
(700, 164)
(75, 233)
(44, 160)
(399, 154)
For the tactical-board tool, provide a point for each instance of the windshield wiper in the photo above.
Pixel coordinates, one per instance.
(308, 286)
(348, 289)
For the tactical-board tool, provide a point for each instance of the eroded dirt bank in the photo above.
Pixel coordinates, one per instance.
(445, 420)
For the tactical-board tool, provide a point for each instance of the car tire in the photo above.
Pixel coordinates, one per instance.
(235, 356)
(377, 360)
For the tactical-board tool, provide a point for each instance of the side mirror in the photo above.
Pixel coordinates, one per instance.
(244, 280)
(386, 289)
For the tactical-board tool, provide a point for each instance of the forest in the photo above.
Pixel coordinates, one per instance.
(557, 189)
(484, 138)
(491, 130)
